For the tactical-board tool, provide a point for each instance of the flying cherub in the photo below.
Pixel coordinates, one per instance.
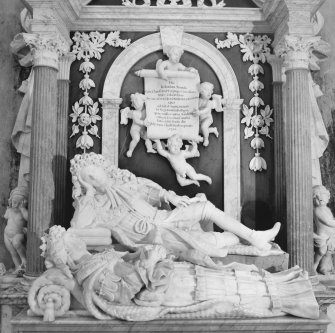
(174, 54)
(177, 158)
(138, 128)
(206, 105)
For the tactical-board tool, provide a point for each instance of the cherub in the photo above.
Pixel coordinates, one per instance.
(177, 159)
(138, 128)
(14, 234)
(206, 105)
(174, 54)
(324, 221)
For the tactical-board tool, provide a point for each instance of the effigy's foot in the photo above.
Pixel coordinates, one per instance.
(262, 239)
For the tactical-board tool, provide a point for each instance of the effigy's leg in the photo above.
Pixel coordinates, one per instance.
(259, 239)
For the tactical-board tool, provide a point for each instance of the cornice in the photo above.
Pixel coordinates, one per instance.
(150, 18)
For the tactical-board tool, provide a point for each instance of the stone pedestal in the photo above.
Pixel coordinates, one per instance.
(60, 165)
(298, 168)
(43, 146)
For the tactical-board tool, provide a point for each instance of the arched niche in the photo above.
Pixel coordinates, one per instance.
(231, 118)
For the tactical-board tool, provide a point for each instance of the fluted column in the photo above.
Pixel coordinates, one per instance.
(43, 145)
(279, 146)
(298, 152)
(60, 164)
(110, 128)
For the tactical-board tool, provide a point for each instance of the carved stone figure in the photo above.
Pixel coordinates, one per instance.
(138, 128)
(14, 234)
(22, 128)
(147, 284)
(324, 236)
(206, 105)
(174, 53)
(135, 210)
(186, 175)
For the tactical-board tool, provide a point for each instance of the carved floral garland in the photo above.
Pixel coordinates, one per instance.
(257, 120)
(85, 111)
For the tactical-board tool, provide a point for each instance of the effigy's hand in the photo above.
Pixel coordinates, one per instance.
(90, 190)
(179, 201)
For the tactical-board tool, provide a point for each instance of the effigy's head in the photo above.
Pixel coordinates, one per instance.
(206, 90)
(321, 195)
(137, 100)
(97, 171)
(174, 52)
(94, 175)
(61, 248)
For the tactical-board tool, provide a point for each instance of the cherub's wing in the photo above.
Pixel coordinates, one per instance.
(125, 115)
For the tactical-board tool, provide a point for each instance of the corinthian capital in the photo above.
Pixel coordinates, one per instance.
(296, 51)
(46, 50)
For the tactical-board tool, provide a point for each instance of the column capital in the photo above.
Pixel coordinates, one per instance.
(110, 103)
(65, 62)
(296, 51)
(46, 50)
(277, 64)
(232, 104)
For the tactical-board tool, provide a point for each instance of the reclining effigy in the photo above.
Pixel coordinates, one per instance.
(148, 284)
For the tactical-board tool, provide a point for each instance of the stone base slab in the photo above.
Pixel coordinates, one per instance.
(83, 324)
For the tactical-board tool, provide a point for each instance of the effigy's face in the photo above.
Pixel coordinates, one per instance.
(95, 176)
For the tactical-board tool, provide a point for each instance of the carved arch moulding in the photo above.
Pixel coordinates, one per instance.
(111, 101)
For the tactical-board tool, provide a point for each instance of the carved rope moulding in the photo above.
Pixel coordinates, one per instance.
(85, 111)
(257, 116)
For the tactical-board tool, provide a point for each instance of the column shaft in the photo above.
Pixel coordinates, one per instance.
(61, 151)
(298, 170)
(41, 163)
(279, 156)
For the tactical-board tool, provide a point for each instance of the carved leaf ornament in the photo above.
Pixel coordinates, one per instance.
(257, 116)
(85, 111)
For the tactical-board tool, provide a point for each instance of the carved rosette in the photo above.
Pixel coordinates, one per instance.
(296, 51)
(257, 116)
(85, 111)
(46, 50)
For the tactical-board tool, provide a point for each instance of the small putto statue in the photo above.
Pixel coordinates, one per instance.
(206, 105)
(138, 128)
(324, 236)
(174, 53)
(186, 175)
(148, 284)
(15, 230)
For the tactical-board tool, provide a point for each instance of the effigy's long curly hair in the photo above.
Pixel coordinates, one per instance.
(80, 161)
